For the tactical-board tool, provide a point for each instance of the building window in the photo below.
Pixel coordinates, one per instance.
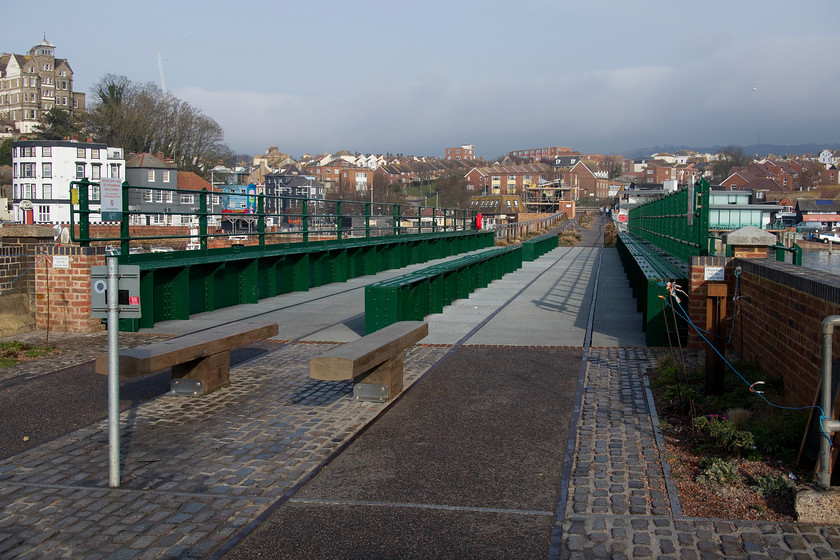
(80, 152)
(94, 194)
(80, 171)
(187, 199)
(29, 190)
(46, 191)
(46, 170)
(115, 170)
(43, 214)
(158, 196)
(147, 195)
(150, 175)
(46, 151)
(27, 170)
(165, 175)
(95, 171)
(168, 197)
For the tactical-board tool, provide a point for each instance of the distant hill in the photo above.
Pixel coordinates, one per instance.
(759, 150)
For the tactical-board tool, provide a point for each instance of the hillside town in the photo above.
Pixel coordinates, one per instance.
(766, 192)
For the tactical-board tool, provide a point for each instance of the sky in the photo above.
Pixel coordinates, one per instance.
(416, 77)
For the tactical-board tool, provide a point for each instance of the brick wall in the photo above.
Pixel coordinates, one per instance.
(14, 262)
(779, 317)
(63, 294)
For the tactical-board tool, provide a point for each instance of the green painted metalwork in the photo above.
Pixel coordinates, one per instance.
(414, 295)
(176, 284)
(796, 251)
(677, 223)
(535, 247)
(649, 268)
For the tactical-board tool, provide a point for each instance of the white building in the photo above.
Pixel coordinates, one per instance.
(43, 169)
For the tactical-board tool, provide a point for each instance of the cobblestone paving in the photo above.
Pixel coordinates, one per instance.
(74, 349)
(619, 505)
(194, 470)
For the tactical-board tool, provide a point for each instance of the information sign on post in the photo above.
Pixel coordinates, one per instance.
(128, 291)
(110, 195)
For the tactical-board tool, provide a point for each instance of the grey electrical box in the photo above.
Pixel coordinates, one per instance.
(129, 291)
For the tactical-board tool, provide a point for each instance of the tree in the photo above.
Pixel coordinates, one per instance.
(452, 191)
(57, 124)
(730, 157)
(614, 166)
(811, 174)
(6, 151)
(142, 118)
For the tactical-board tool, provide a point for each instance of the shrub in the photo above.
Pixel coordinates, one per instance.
(718, 471)
(769, 484)
(723, 434)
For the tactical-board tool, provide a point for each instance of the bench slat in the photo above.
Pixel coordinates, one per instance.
(355, 358)
(168, 353)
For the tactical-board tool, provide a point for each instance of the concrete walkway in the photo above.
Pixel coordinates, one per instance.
(513, 440)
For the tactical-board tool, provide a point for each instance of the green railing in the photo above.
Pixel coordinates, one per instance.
(253, 218)
(677, 223)
(412, 296)
(534, 248)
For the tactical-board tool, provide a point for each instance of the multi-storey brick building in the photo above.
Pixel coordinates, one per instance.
(31, 85)
(507, 179)
(467, 151)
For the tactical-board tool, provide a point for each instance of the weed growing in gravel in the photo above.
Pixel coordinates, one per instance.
(13, 352)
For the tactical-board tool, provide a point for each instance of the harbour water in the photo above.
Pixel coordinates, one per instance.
(822, 260)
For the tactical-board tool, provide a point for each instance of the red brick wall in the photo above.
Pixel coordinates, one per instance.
(779, 317)
(62, 301)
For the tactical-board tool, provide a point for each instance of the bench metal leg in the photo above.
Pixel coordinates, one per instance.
(203, 375)
(382, 383)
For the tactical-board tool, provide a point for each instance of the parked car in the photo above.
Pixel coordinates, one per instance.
(828, 237)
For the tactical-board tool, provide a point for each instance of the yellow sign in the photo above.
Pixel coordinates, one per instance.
(74, 195)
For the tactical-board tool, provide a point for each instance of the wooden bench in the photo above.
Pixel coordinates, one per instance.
(200, 361)
(374, 361)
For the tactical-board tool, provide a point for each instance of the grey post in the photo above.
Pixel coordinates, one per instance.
(828, 424)
(112, 302)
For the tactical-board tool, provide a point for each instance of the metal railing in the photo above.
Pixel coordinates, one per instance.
(677, 223)
(255, 218)
(520, 230)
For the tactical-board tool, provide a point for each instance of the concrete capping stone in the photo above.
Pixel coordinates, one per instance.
(817, 505)
(749, 236)
(822, 285)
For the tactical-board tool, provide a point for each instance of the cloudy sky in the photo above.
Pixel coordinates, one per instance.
(416, 77)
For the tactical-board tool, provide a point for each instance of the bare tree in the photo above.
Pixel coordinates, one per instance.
(142, 118)
(730, 156)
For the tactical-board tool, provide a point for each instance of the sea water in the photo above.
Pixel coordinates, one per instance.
(822, 260)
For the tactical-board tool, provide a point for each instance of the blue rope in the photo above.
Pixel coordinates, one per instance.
(10, 282)
(822, 417)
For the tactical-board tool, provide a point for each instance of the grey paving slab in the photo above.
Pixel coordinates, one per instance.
(616, 323)
(472, 451)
